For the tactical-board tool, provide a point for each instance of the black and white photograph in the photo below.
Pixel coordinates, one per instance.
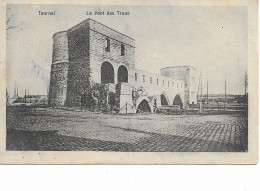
(128, 79)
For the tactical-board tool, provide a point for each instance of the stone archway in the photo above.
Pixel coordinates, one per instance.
(164, 100)
(122, 75)
(143, 107)
(178, 101)
(107, 73)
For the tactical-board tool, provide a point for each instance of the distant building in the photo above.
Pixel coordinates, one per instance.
(35, 99)
(32, 99)
(221, 98)
(11, 99)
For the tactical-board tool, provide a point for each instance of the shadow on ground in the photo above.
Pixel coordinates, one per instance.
(23, 140)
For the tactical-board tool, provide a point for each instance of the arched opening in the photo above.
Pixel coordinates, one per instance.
(143, 107)
(107, 73)
(177, 101)
(122, 75)
(164, 100)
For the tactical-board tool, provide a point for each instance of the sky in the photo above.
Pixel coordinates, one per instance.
(211, 39)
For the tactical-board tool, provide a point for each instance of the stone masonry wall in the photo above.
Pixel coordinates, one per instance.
(193, 85)
(58, 84)
(98, 54)
(59, 70)
(79, 70)
(189, 76)
(168, 86)
(60, 47)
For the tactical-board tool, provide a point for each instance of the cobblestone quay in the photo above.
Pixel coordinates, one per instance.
(47, 129)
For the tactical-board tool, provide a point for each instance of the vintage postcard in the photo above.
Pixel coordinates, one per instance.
(125, 82)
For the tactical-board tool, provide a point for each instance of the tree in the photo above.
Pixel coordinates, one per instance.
(10, 20)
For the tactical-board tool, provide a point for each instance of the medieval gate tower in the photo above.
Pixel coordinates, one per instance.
(94, 66)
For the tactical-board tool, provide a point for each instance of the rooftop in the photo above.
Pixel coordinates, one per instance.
(187, 66)
(105, 30)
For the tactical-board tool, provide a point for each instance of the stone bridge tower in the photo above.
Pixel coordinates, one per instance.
(90, 56)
